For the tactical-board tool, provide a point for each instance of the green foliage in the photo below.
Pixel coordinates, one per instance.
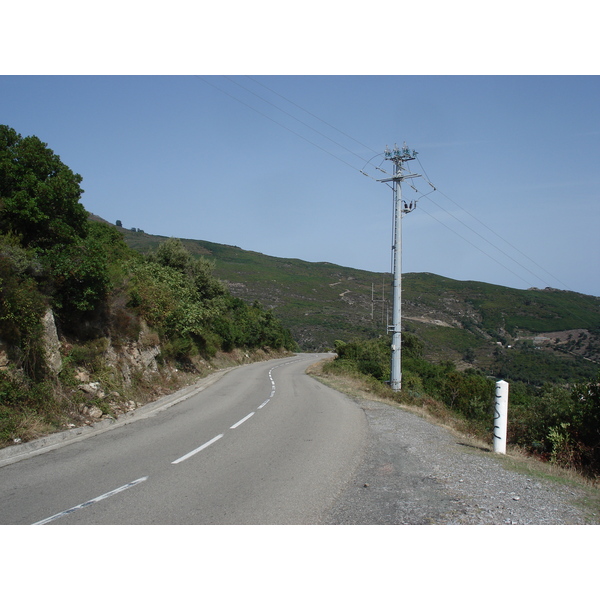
(177, 294)
(537, 367)
(46, 233)
(562, 453)
(469, 393)
(52, 255)
(556, 423)
(21, 309)
(111, 241)
(89, 354)
(249, 326)
(372, 357)
(166, 299)
(39, 195)
(79, 276)
(369, 357)
(173, 254)
(586, 423)
(9, 423)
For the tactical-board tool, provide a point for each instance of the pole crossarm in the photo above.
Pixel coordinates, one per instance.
(399, 177)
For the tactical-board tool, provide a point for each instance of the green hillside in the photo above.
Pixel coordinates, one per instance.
(478, 323)
(319, 302)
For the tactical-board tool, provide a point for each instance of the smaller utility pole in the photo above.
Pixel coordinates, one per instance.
(399, 157)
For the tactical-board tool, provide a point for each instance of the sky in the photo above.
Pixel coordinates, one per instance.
(172, 114)
(514, 160)
(274, 140)
(273, 164)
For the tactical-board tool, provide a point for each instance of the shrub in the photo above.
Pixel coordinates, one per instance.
(21, 309)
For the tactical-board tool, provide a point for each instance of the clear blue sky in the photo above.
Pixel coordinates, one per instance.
(272, 164)
(175, 156)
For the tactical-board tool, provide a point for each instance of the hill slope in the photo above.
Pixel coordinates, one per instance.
(459, 320)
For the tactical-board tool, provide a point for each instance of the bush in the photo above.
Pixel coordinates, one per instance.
(471, 394)
(177, 295)
(21, 309)
(551, 421)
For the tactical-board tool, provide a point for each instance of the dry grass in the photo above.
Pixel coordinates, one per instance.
(515, 458)
(30, 426)
(362, 387)
(59, 409)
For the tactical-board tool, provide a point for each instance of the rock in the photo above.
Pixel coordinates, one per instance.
(94, 412)
(82, 375)
(51, 343)
(3, 355)
(136, 357)
(92, 388)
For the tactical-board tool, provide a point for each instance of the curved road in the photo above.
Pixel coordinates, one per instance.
(265, 444)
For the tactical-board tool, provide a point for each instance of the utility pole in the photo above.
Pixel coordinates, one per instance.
(399, 157)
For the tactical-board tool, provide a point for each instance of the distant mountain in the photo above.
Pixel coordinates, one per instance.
(458, 320)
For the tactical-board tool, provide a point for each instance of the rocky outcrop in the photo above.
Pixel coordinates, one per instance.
(3, 355)
(51, 343)
(136, 356)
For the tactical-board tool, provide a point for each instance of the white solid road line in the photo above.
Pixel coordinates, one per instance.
(186, 456)
(90, 502)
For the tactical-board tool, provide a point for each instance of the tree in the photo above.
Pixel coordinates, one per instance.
(39, 195)
(40, 207)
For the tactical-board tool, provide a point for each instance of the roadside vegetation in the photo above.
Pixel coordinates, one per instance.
(113, 292)
(557, 423)
(104, 298)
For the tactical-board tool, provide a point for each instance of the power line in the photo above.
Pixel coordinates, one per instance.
(486, 240)
(278, 123)
(295, 118)
(496, 234)
(313, 115)
(472, 244)
(435, 189)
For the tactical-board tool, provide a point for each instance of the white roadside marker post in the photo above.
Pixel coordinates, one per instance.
(500, 417)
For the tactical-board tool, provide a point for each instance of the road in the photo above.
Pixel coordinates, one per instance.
(265, 444)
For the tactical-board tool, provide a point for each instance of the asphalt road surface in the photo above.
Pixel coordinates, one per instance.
(265, 444)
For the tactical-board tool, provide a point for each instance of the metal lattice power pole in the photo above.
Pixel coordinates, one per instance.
(399, 157)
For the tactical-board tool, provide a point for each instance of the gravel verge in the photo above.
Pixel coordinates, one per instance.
(415, 472)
